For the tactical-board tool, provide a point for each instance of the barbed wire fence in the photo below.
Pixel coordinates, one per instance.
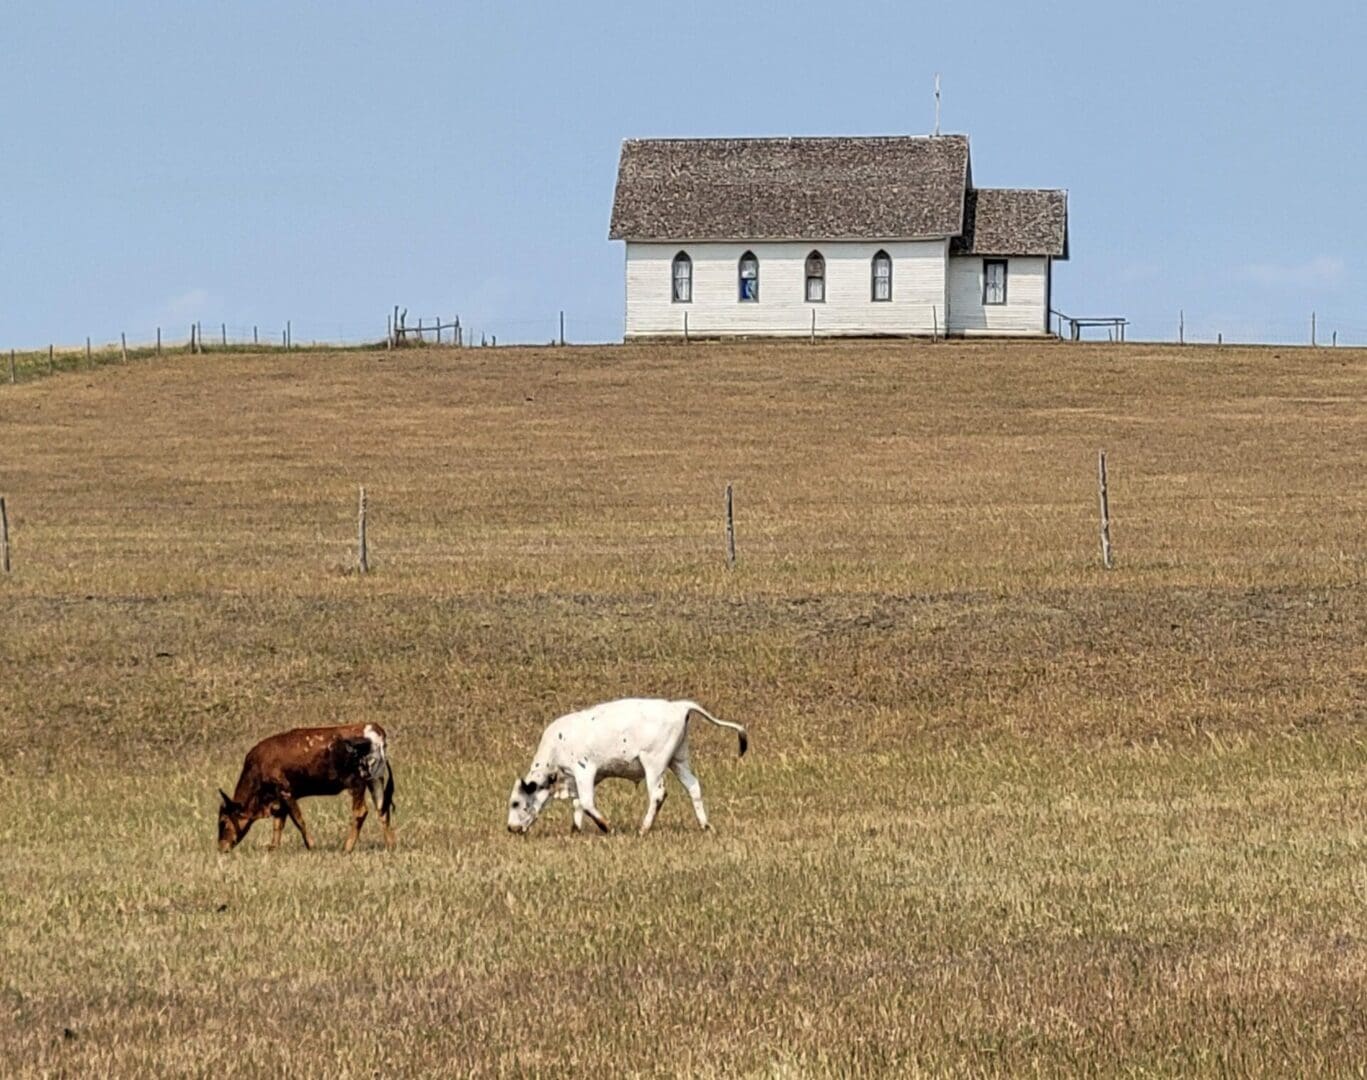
(399, 330)
(403, 330)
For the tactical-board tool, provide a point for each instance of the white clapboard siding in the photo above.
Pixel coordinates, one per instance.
(1027, 293)
(919, 289)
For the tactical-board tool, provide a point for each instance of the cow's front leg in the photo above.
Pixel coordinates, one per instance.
(278, 816)
(655, 797)
(578, 825)
(583, 786)
(292, 808)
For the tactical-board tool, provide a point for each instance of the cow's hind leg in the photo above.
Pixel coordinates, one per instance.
(655, 796)
(691, 785)
(358, 816)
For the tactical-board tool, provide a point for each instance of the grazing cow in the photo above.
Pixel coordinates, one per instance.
(634, 739)
(293, 765)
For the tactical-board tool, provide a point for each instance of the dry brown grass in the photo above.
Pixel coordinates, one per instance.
(1004, 813)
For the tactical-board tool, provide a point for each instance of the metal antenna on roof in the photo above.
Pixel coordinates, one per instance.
(937, 103)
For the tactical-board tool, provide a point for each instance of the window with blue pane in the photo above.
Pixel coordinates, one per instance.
(749, 277)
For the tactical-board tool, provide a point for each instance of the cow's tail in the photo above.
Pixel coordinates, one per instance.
(379, 770)
(694, 707)
(387, 804)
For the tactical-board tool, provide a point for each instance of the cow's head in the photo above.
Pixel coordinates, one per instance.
(233, 822)
(529, 797)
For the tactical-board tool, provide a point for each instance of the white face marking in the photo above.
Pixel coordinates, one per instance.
(527, 799)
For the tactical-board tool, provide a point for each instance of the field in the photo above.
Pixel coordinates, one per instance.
(1004, 812)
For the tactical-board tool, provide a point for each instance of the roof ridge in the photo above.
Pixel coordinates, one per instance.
(791, 138)
(1021, 190)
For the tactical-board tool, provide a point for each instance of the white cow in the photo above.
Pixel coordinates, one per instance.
(634, 739)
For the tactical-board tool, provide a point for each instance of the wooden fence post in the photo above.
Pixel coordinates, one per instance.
(730, 529)
(813, 337)
(289, 335)
(1312, 328)
(49, 359)
(223, 332)
(158, 340)
(934, 323)
(87, 349)
(1105, 512)
(123, 347)
(362, 554)
(4, 536)
(685, 327)
(1181, 327)
(12, 377)
(255, 339)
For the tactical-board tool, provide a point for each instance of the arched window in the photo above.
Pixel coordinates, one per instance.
(882, 276)
(816, 278)
(749, 277)
(683, 278)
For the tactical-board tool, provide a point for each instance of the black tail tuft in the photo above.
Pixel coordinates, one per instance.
(744, 742)
(387, 806)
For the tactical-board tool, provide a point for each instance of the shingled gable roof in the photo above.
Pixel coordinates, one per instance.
(998, 221)
(857, 188)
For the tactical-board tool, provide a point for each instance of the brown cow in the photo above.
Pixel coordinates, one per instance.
(295, 764)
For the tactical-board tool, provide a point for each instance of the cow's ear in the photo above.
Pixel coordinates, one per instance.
(527, 786)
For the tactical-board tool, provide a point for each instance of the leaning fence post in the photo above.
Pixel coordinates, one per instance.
(1105, 511)
(730, 529)
(4, 536)
(362, 553)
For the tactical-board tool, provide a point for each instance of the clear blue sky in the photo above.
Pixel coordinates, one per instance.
(253, 162)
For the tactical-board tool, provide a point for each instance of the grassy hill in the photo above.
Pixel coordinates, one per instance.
(1004, 811)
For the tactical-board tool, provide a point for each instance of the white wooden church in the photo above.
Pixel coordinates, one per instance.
(840, 236)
